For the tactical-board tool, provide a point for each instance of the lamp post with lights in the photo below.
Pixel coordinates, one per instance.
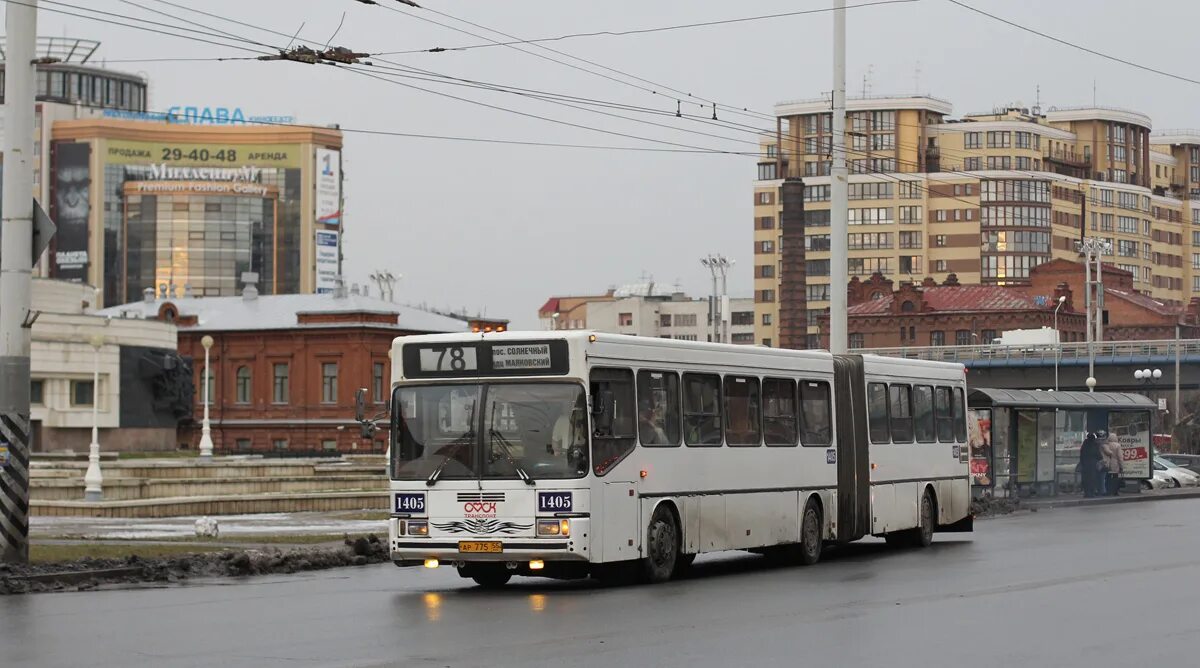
(206, 444)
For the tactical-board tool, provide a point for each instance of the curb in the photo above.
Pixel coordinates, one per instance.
(1128, 498)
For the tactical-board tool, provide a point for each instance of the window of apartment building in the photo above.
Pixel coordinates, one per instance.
(1128, 200)
(329, 445)
(812, 341)
(883, 142)
(810, 145)
(766, 246)
(818, 218)
(1016, 216)
(1024, 140)
(1015, 241)
(766, 223)
(377, 384)
(329, 382)
(1117, 132)
(910, 190)
(742, 338)
(1106, 222)
(816, 267)
(858, 142)
(281, 387)
(973, 140)
(766, 342)
(36, 392)
(1014, 190)
(1023, 163)
(1195, 173)
(939, 240)
(958, 214)
(817, 293)
(972, 164)
(962, 337)
(243, 385)
(1126, 248)
(767, 171)
(816, 193)
(1118, 176)
(883, 120)
(937, 337)
(765, 271)
(817, 242)
(685, 337)
(941, 265)
(810, 124)
(910, 215)
(869, 240)
(871, 216)
(865, 266)
(1118, 153)
(766, 319)
(625, 320)
(910, 264)
(766, 296)
(997, 139)
(987, 336)
(765, 198)
(911, 239)
(878, 165)
(1006, 267)
(772, 150)
(857, 340)
(83, 393)
(859, 121)
(940, 215)
(999, 162)
(870, 191)
(664, 320)
(243, 444)
(826, 123)
(1195, 260)
(1147, 251)
(818, 168)
(737, 318)
(689, 319)
(279, 444)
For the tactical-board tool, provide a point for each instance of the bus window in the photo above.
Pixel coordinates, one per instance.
(702, 409)
(742, 411)
(960, 416)
(923, 413)
(877, 412)
(780, 418)
(658, 408)
(817, 411)
(945, 414)
(613, 419)
(902, 422)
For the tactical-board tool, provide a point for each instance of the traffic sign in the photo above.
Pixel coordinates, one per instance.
(43, 230)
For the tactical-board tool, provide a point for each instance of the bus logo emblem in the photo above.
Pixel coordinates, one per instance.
(480, 509)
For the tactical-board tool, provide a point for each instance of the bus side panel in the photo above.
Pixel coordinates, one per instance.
(853, 472)
(713, 536)
(619, 539)
(689, 508)
(762, 519)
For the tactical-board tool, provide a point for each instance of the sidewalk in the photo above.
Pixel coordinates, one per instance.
(1070, 501)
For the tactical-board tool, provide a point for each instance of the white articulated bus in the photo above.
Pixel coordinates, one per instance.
(568, 454)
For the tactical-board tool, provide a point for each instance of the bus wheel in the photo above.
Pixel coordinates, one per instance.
(682, 564)
(662, 546)
(487, 576)
(810, 535)
(922, 535)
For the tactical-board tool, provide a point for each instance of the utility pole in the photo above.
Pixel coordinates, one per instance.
(16, 265)
(839, 193)
(719, 266)
(1089, 248)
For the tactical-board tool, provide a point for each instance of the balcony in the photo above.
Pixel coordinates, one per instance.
(1068, 158)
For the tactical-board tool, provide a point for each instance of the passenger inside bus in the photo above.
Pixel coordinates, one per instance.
(649, 429)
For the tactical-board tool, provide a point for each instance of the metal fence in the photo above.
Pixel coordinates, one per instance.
(1107, 352)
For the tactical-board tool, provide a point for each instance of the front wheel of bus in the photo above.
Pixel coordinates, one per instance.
(662, 546)
(810, 535)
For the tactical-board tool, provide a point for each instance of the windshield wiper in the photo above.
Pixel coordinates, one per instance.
(465, 439)
(498, 437)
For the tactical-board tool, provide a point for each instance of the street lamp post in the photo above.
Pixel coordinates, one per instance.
(206, 444)
(93, 480)
(1058, 339)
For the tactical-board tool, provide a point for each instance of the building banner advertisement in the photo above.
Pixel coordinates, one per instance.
(1132, 429)
(979, 428)
(329, 187)
(70, 208)
(327, 260)
(220, 162)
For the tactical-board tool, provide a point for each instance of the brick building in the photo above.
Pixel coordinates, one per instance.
(928, 314)
(284, 368)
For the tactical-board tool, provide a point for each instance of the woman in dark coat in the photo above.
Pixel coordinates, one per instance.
(1089, 463)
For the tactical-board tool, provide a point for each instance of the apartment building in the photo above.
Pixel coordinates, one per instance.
(988, 196)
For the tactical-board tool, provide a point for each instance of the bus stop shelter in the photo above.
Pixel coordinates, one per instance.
(1026, 443)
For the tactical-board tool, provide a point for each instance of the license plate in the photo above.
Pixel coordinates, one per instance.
(480, 546)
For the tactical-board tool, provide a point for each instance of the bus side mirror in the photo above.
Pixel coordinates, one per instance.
(360, 404)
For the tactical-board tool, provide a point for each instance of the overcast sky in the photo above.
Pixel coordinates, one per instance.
(502, 227)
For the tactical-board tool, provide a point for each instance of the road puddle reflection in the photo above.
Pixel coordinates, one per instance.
(433, 606)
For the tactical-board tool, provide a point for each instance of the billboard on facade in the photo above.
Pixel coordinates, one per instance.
(71, 207)
(329, 187)
(327, 260)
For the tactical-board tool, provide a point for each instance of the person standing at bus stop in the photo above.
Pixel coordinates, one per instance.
(1112, 465)
(1090, 458)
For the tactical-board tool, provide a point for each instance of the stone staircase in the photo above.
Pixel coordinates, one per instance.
(225, 486)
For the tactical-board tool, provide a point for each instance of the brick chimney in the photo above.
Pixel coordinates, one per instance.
(793, 296)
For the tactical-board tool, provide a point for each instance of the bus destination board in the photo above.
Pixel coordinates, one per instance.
(485, 358)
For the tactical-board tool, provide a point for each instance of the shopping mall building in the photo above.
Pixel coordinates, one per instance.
(180, 199)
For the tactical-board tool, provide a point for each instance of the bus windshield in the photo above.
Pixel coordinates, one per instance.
(499, 431)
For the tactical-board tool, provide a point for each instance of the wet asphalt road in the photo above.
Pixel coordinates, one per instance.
(1099, 586)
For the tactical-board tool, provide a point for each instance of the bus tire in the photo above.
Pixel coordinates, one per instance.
(922, 534)
(662, 546)
(811, 541)
(683, 564)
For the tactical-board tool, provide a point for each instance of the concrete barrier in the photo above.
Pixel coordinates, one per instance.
(239, 504)
(123, 489)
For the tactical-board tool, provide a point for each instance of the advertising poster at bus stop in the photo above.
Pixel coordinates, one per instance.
(979, 428)
(1132, 429)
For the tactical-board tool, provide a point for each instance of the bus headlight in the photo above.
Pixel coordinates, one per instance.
(559, 527)
(418, 528)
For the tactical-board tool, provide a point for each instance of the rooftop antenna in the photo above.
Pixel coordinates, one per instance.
(1093, 92)
(1037, 101)
(917, 78)
(866, 88)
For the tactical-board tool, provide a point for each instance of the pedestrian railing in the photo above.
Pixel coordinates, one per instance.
(1106, 352)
